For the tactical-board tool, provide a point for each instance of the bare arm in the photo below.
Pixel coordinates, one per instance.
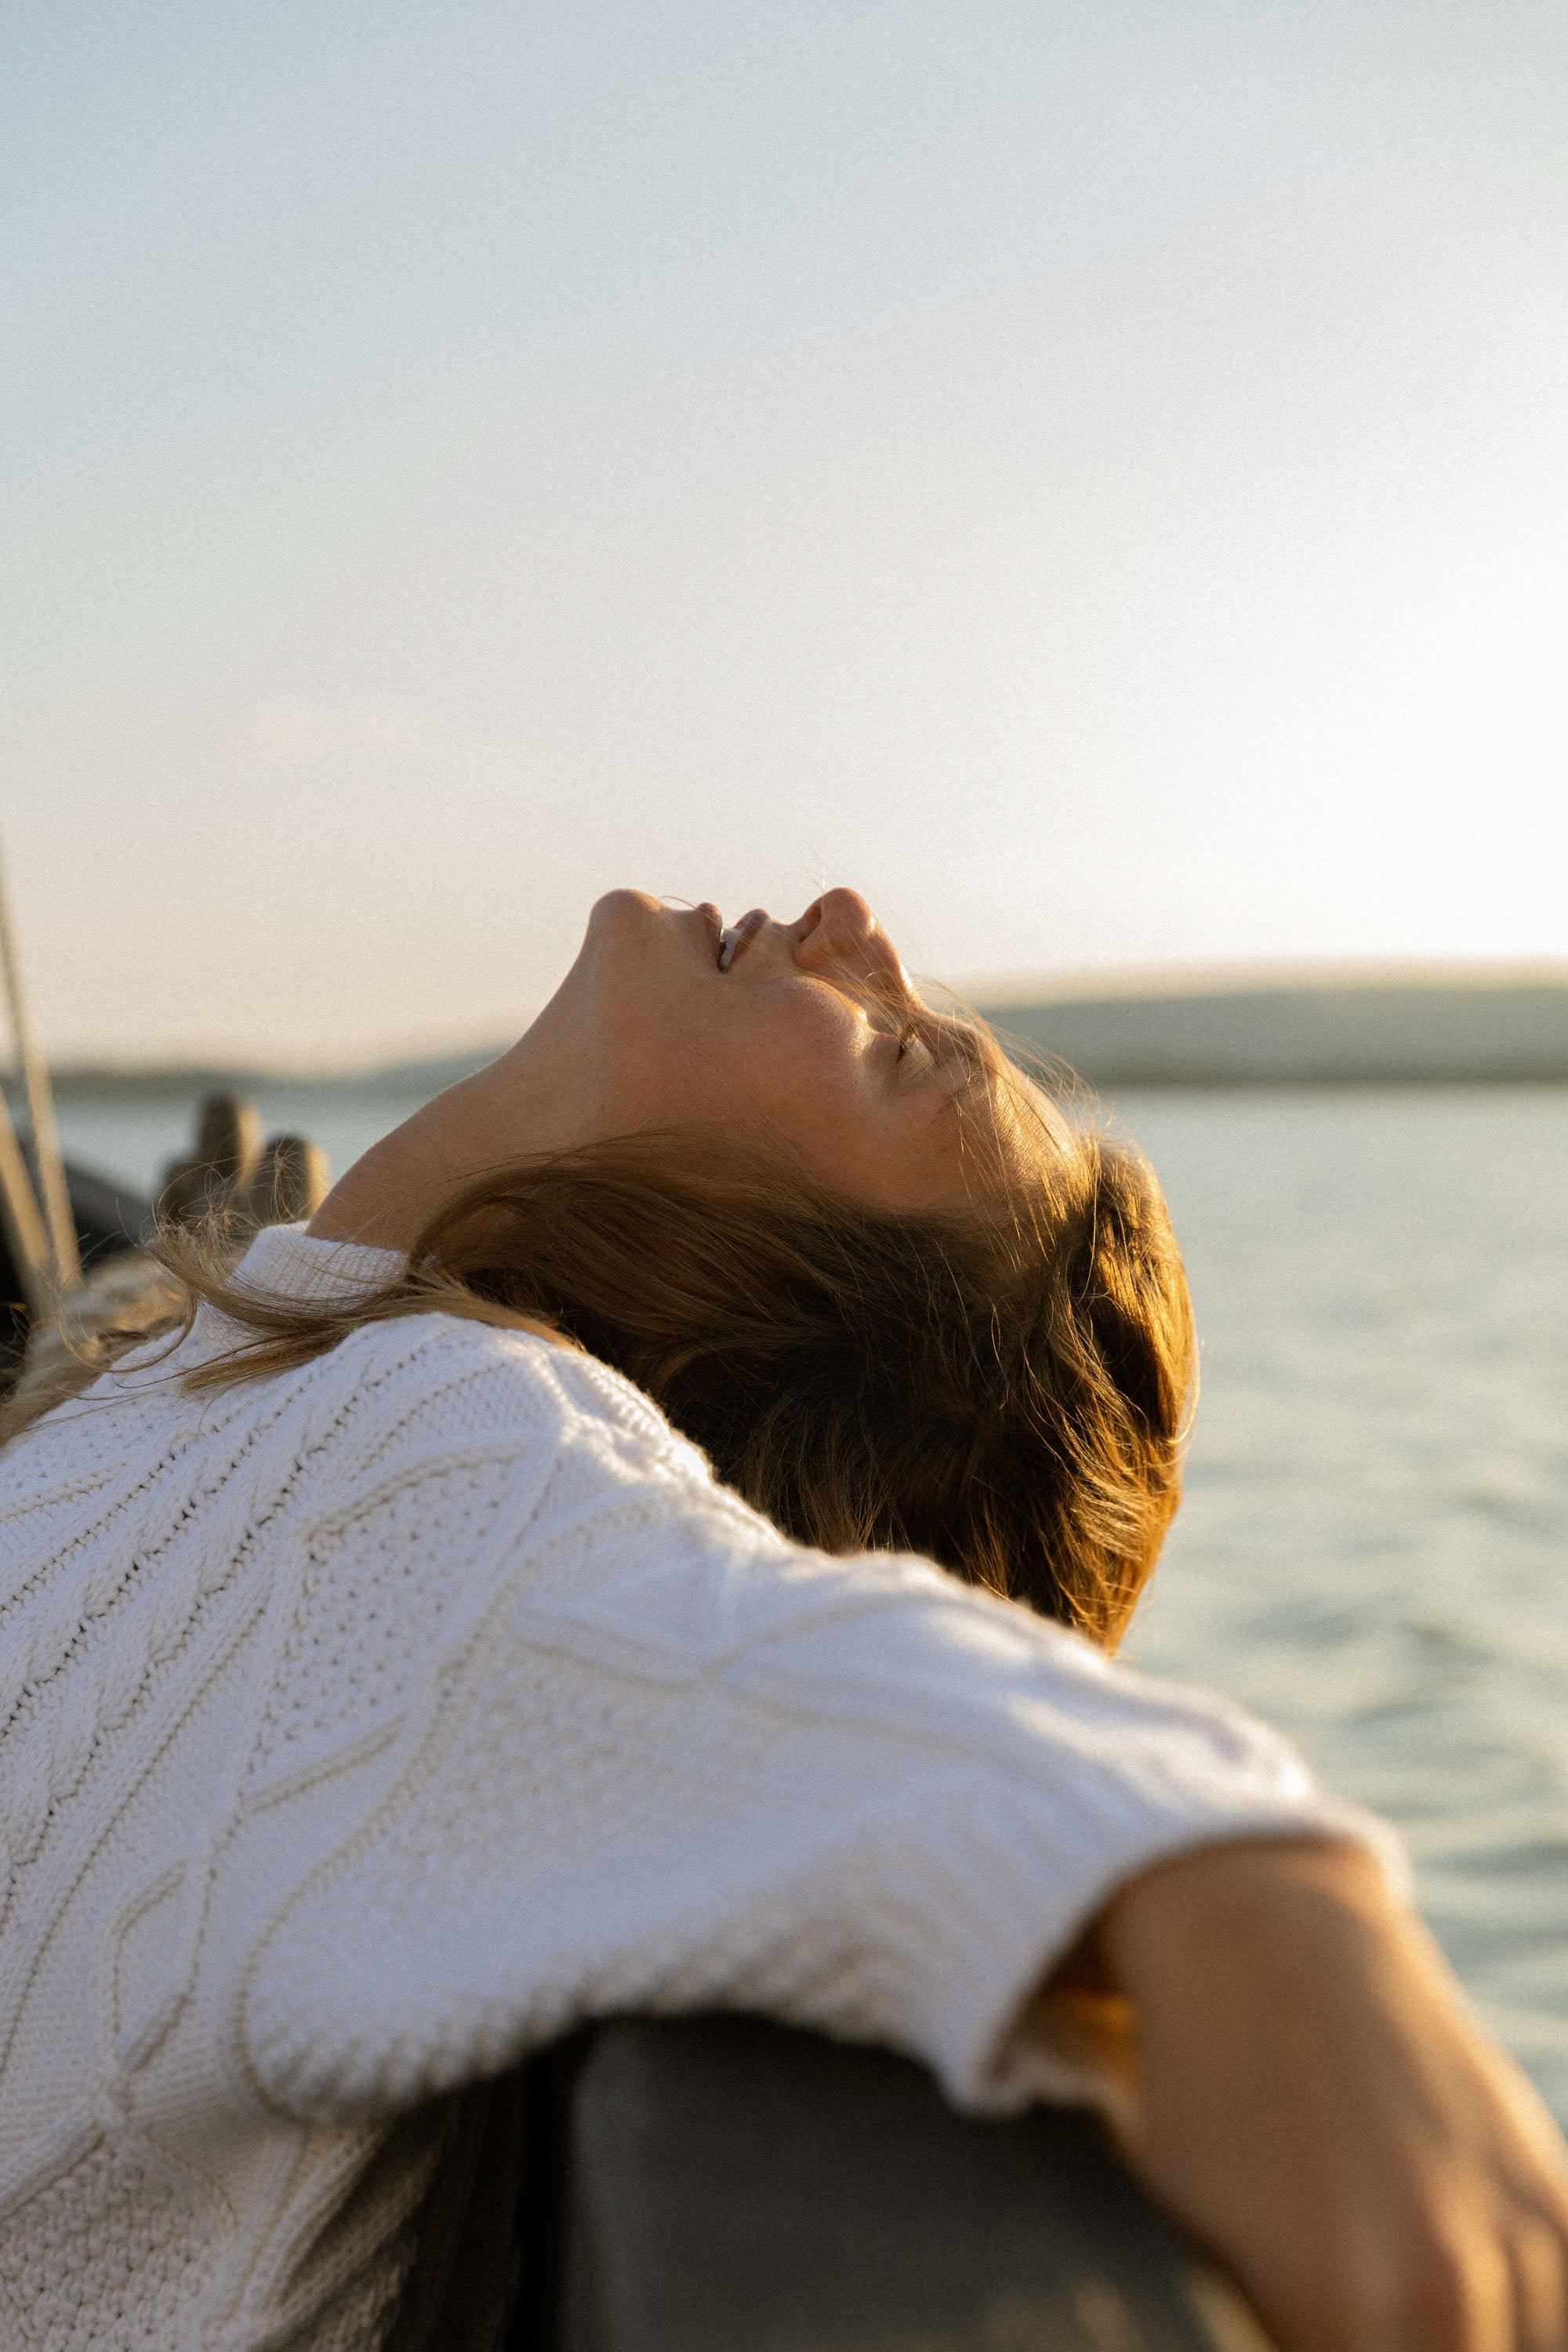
(1311, 2095)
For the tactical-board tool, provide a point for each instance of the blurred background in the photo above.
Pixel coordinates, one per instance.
(1095, 478)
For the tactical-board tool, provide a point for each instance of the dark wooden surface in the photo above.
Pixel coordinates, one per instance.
(108, 1221)
(726, 2185)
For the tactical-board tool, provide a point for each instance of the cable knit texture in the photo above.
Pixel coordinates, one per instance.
(364, 1727)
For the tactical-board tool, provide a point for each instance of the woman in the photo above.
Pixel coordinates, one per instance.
(389, 1683)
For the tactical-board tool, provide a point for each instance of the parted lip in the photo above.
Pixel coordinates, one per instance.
(713, 923)
(735, 939)
(728, 940)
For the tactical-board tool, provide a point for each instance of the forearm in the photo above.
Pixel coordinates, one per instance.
(1293, 2073)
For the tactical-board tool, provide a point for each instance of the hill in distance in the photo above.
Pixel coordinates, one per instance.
(1319, 1025)
(1313, 1025)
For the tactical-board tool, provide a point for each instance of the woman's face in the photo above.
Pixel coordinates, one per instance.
(812, 1038)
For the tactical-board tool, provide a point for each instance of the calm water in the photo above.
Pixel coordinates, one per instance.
(1374, 1545)
(1372, 1553)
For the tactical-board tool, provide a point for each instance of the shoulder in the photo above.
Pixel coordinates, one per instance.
(429, 1372)
(427, 1392)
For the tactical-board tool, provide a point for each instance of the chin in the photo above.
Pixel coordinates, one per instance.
(624, 920)
(624, 906)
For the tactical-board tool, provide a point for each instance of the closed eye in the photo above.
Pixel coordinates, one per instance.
(943, 1041)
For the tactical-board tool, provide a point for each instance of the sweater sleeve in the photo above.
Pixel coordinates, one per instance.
(567, 1729)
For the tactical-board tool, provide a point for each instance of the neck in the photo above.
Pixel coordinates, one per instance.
(530, 1100)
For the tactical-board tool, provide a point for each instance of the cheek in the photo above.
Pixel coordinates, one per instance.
(806, 1077)
(784, 1058)
(671, 1053)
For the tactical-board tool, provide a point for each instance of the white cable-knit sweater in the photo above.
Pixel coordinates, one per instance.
(365, 1726)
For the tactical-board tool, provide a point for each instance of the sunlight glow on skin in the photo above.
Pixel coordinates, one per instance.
(813, 1040)
(813, 1036)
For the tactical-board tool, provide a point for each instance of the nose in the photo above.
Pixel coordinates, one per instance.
(839, 936)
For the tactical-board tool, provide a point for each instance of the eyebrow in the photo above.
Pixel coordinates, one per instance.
(970, 1045)
(963, 1041)
(982, 1060)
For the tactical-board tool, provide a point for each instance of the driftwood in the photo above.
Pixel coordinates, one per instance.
(37, 1212)
(232, 1178)
(726, 2185)
(233, 1175)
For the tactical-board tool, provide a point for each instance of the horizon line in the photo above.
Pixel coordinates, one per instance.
(1000, 993)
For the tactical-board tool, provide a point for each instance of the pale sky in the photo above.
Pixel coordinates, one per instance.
(1094, 476)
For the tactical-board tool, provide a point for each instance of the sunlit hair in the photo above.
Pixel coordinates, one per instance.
(1000, 1387)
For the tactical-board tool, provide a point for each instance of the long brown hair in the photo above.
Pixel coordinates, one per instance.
(1003, 1387)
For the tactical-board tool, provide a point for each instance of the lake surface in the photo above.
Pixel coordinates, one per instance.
(1372, 1549)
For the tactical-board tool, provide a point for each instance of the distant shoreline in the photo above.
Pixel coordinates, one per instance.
(1390, 1033)
(1303, 1027)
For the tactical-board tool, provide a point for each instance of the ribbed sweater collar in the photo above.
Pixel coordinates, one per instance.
(285, 1261)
